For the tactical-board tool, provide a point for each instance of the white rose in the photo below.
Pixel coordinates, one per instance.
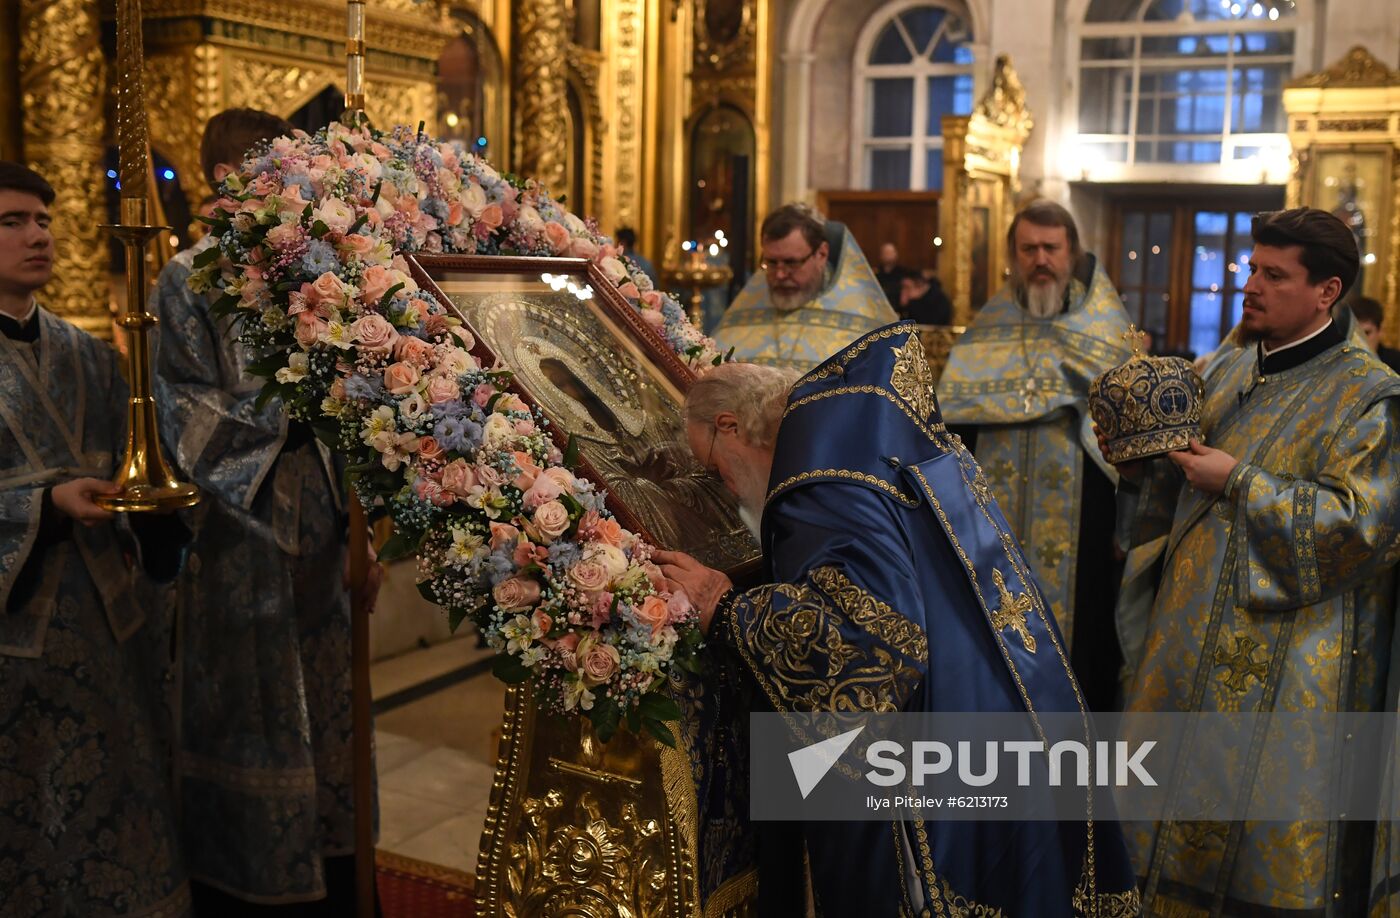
(473, 199)
(575, 225)
(612, 559)
(498, 432)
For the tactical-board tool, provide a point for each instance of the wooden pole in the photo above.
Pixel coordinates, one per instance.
(362, 727)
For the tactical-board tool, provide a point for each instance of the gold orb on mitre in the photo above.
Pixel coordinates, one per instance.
(1147, 406)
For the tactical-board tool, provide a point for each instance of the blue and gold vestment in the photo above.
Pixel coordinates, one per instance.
(896, 585)
(1023, 381)
(87, 825)
(799, 339)
(1278, 595)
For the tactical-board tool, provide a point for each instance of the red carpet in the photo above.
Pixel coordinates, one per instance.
(415, 889)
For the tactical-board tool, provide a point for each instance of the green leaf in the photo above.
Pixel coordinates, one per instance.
(606, 717)
(571, 453)
(659, 730)
(328, 432)
(634, 720)
(455, 617)
(398, 547)
(207, 257)
(378, 187)
(572, 505)
(388, 296)
(491, 402)
(509, 669)
(270, 390)
(660, 706)
(319, 229)
(355, 227)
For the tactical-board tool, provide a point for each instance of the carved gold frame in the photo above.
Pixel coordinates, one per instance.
(572, 820)
(1352, 108)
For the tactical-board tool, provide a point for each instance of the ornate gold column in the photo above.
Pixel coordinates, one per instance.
(540, 98)
(1344, 128)
(62, 85)
(981, 178)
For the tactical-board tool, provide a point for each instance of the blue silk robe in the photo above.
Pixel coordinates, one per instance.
(263, 765)
(86, 818)
(1277, 595)
(850, 303)
(889, 560)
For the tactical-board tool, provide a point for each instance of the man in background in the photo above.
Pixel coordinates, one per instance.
(922, 300)
(815, 294)
(1016, 389)
(627, 242)
(1369, 315)
(890, 273)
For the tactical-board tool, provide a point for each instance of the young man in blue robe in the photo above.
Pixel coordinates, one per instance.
(86, 822)
(894, 585)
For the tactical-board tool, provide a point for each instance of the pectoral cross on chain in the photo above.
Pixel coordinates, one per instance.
(1241, 664)
(1028, 391)
(1011, 611)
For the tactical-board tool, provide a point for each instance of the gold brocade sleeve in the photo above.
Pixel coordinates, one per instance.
(1301, 541)
(826, 644)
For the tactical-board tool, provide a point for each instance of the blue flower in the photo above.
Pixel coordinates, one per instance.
(302, 182)
(320, 258)
(499, 566)
(671, 312)
(367, 387)
(564, 554)
(450, 409)
(457, 434)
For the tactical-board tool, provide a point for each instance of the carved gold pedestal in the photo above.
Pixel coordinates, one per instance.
(587, 829)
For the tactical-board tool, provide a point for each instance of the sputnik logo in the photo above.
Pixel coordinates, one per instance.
(811, 763)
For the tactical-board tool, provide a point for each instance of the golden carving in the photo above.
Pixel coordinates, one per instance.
(626, 61)
(62, 81)
(1358, 69)
(585, 68)
(725, 53)
(181, 96)
(541, 97)
(1354, 124)
(1004, 103)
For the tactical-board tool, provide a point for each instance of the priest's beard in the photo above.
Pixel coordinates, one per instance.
(1044, 300)
(796, 298)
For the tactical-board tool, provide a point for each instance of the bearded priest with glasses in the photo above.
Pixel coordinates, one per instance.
(815, 293)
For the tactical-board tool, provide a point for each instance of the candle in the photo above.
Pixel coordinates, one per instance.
(131, 110)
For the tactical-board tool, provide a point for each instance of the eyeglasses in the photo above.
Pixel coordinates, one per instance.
(785, 265)
(710, 453)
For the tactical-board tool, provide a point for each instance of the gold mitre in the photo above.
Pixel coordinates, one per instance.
(1147, 406)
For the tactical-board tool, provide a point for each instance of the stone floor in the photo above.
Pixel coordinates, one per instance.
(436, 710)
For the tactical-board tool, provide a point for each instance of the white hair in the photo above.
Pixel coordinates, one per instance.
(756, 395)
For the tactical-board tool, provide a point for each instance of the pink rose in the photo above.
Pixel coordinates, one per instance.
(600, 663)
(629, 290)
(309, 329)
(609, 532)
(562, 477)
(582, 247)
(652, 299)
(429, 449)
(482, 394)
(653, 317)
(375, 282)
(589, 576)
(528, 471)
(459, 478)
(557, 235)
(525, 427)
(567, 646)
(516, 594)
(400, 378)
(652, 614)
(413, 350)
(544, 490)
(542, 621)
(338, 389)
(552, 519)
(511, 402)
(491, 217)
(374, 333)
(358, 244)
(463, 336)
(442, 389)
(329, 289)
(501, 533)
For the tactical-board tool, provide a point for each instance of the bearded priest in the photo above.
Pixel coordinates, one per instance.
(1016, 389)
(893, 585)
(815, 293)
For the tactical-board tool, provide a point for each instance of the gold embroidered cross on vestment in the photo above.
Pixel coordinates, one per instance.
(1241, 664)
(912, 379)
(1011, 611)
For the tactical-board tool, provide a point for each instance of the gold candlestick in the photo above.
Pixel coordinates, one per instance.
(696, 273)
(355, 60)
(147, 482)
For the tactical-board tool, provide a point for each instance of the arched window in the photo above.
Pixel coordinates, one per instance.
(913, 66)
(1183, 81)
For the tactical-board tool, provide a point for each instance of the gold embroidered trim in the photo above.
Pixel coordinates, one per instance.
(912, 379)
(739, 890)
(257, 781)
(871, 614)
(849, 476)
(929, 430)
(1127, 904)
(836, 366)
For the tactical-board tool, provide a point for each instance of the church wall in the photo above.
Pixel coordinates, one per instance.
(829, 134)
(1348, 23)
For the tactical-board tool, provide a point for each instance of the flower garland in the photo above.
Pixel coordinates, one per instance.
(307, 250)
